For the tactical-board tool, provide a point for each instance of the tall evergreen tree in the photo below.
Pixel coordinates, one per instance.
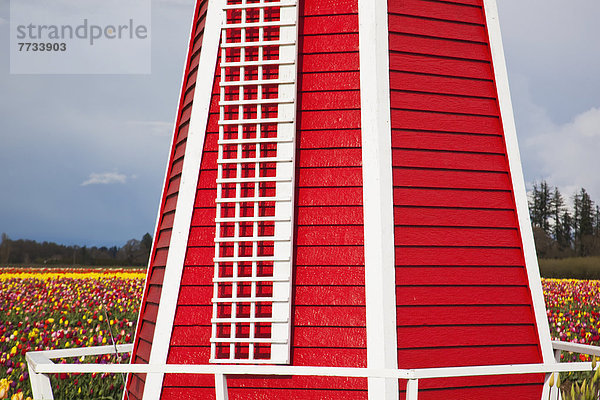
(583, 222)
(557, 209)
(540, 206)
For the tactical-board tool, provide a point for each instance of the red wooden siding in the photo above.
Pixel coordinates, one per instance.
(462, 294)
(154, 279)
(328, 294)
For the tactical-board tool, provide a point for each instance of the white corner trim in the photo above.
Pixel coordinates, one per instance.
(380, 281)
(187, 195)
(518, 181)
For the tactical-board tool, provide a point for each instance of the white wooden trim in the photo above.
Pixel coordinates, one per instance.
(40, 367)
(283, 180)
(39, 363)
(187, 195)
(221, 387)
(516, 173)
(380, 289)
(412, 389)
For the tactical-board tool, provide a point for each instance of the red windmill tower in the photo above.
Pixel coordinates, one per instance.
(344, 189)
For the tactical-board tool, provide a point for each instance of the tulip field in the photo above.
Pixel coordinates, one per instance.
(42, 309)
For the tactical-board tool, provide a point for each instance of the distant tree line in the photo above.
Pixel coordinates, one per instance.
(561, 230)
(133, 253)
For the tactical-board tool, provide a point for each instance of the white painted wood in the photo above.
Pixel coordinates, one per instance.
(39, 363)
(258, 82)
(283, 182)
(260, 5)
(40, 383)
(221, 387)
(554, 392)
(575, 348)
(376, 134)
(518, 181)
(429, 373)
(412, 389)
(186, 197)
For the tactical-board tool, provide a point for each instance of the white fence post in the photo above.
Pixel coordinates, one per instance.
(221, 387)
(40, 383)
(554, 390)
(412, 389)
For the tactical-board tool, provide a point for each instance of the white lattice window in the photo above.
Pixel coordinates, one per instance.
(255, 183)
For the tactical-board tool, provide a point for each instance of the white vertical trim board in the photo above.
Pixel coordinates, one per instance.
(380, 288)
(187, 195)
(518, 181)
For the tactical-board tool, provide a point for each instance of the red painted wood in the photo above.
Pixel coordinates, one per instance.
(344, 176)
(329, 235)
(420, 216)
(449, 160)
(195, 295)
(453, 198)
(438, 10)
(329, 255)
(329, 316)
(330, 100)
(203, 217)
(143, 350)
(462, 123)
(447, 141)
(414, 177)
(334, 119)
(329, 296)
(443, 103)
(342, 80)
(329, 7)
(330, 356)
(465, 335)
(197, 275)
(438, 47)
(194, 335)
(342, 196)
(329, 276)
(407, 24)
(462, 295)
(459, 256)
(322, 25)
(157, 275)
(278, 382)
(325, 337)
(317, 139)
(453, 236)
(329, 62)
(200, 256)
(408, 81)
(332, 42)
(315, 158)
(406, 62)
(456, 275)
(463, 315)
(193, 315)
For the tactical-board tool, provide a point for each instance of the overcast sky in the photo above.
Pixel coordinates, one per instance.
(82, 157)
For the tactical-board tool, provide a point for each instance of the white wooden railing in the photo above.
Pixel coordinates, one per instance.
(40, 364)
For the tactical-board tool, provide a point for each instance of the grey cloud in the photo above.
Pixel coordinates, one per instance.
(104, 178)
